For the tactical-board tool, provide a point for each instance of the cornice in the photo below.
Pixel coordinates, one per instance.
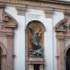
(45, 5)
(56, 2)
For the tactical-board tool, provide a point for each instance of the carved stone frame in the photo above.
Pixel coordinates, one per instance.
(62, 37)
(7, 26)
(30, 61)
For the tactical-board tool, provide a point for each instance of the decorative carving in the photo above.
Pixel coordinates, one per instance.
(60, 27)
(67, 26)
(63, 38)
(7, 26)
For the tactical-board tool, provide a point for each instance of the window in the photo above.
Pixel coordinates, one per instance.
(36, 67)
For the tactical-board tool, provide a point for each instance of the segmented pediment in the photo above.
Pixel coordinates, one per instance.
(62, 26)
(7, 23)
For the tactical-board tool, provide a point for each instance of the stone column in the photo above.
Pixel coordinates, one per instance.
(41, 67)
(10, 49)
(31, 67)
(60, 51)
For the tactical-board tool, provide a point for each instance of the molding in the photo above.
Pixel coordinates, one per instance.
(59, 25)
(55, 5)
(56, 2)
(41, 4)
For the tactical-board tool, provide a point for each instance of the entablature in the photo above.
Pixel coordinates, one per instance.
(22, 5)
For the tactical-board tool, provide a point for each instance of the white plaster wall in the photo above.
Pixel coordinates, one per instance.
(20, 45)
(57, 16)
(50, 40)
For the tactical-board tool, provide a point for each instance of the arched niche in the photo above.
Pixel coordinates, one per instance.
(35, 37)
(68, 59)
(34, 41)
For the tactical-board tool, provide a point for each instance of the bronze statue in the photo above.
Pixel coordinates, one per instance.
(37, 50)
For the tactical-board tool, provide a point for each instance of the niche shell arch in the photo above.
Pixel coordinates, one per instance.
(34, 44)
